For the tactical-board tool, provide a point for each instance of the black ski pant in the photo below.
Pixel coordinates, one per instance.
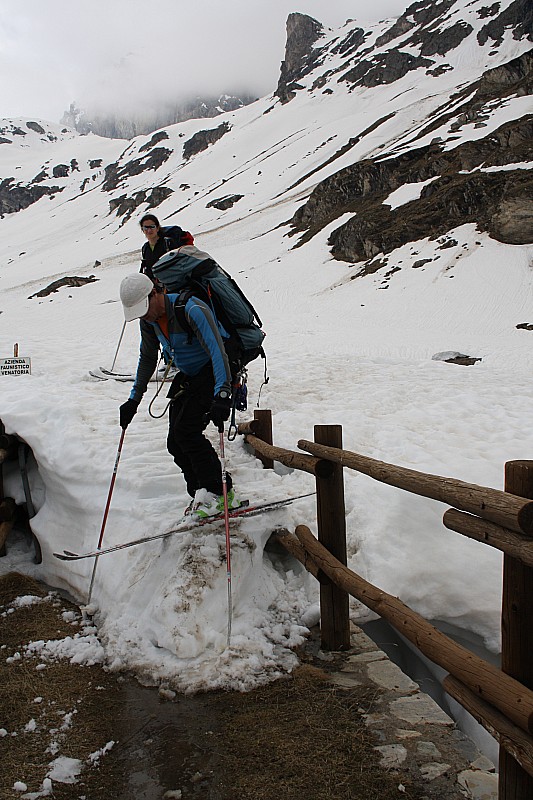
(188, 418)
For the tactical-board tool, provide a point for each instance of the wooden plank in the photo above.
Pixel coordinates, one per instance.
(517, 632)
(514, 544)
(515, 741)
(293, 546)
(315, 466)
(500, 690)
(263, 431)
(331, 519)
(503, 508)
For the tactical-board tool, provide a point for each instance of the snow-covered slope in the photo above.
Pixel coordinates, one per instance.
(382, 119)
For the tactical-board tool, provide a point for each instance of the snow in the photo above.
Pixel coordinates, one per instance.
(343, 348)
(406, 193)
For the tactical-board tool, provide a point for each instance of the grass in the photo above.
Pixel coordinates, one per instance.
(295, 738)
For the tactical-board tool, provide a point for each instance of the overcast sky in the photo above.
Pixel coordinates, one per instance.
(114, 54)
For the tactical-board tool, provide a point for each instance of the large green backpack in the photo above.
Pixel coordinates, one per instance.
(190, 272)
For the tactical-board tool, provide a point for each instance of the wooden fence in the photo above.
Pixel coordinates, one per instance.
(500, 700)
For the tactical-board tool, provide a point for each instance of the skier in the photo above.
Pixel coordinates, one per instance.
(200, 391)
(159, 241)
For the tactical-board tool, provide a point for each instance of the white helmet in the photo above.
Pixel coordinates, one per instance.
(134, 291)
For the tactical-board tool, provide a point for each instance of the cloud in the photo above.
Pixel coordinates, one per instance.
(124, 55)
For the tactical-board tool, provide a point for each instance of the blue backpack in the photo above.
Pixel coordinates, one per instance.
(190, 272)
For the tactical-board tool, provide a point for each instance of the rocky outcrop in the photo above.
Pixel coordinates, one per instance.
(485, 199)
(116, 173)
(160, 136)
(15, 197)
(518, 17)
(350, 44)
(300, 55)
(125, 206)
(498, 202)
(34, 126)
(223, 203)
(67, 281)
(384, 68)
(202, 139)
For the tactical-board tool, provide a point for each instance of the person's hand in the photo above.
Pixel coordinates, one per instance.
(127, 412)
(220, 409)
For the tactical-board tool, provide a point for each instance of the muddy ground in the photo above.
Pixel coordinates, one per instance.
(295, 738)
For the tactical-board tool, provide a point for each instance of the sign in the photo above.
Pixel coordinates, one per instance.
(15, 366)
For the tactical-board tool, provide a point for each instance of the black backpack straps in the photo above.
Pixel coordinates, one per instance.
(179, 311)
(185, 294)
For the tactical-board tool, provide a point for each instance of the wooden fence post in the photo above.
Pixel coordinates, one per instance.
(331, 518)
(517, 632)
(263, 431)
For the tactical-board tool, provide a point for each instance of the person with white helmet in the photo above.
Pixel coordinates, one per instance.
(200, 392)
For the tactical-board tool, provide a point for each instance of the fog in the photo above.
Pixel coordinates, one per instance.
(126, 56)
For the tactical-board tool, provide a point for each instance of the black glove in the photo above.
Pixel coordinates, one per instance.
(127, 412)
(220, 409)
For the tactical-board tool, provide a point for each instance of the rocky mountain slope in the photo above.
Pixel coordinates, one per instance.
(437, 104)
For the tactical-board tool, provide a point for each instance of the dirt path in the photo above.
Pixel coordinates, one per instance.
(295, 738)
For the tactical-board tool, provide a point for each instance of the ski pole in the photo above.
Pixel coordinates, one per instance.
(106, 512)
(118, 346)
(226, 525)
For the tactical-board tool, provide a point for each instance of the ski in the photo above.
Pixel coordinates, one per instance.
(244, 510)
(103, 374)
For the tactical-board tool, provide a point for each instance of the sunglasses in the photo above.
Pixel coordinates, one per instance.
(148, 227)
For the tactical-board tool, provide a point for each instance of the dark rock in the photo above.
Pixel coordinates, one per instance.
(125, 206)
(117, 172)
(67, 281)
(60, 171)
(464, 361)
(223, 203)
(453, 357)
(447, 244)
(3, 140)
(94, 163)
(34, 126)
(158, 194)
(202, 139)
(442, 41)
(518, 17)
(15, 198)
(385, 68)
(400, 27)
(156, 138)
(350, 43)
(42, 176)
(424, 13)
(300, 55)
(488, 11)
(512, 221)
(526, 326)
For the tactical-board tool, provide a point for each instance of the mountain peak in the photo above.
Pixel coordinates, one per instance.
(300, 57)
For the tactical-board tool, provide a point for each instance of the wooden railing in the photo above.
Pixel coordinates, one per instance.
(500, 700)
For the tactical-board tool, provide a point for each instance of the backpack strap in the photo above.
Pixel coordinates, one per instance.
(179, 310)
(181, 301)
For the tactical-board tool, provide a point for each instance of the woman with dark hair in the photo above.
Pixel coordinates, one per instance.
(159, 241)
